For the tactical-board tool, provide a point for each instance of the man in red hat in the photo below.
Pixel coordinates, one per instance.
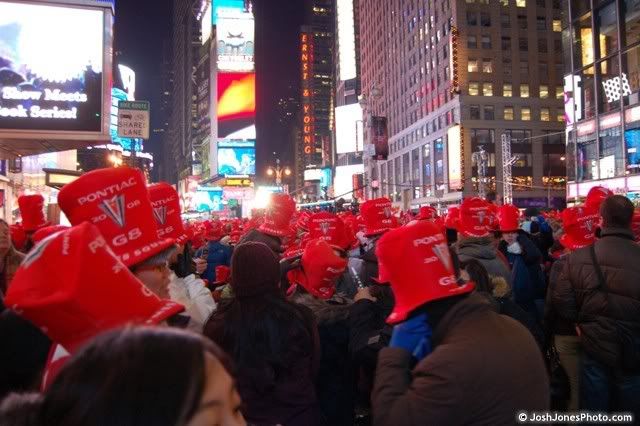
(32, 214)
(467, 354)
(117, 202)
(475, 227)
(184, 287)
(214, 252)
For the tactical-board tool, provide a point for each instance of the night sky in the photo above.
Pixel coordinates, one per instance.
(142, 26)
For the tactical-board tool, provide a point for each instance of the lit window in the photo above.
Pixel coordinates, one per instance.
(560, 116)
(521, 3)
(474, 89)
(545, 114)
(544, 92)
(472, 65)
(557, 26)
(525, 114)
(487, 89)
(504, 2)
(487, 65)
(524, 90)
(507, 90)
(559, 93)
(508, 113)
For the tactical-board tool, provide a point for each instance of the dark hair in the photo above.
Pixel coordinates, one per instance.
(133, 376)
(616, 212)
(183, 266)
(478, 274)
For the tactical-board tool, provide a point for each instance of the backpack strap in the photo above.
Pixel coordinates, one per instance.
(596, 265)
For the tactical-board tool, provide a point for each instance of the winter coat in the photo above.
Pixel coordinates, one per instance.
(554, 323)
(597, 311)
(527, 276)
(484, 369)
(196, 299)
(335, 382)
(217, 254)
(482, 250)
(12, 262)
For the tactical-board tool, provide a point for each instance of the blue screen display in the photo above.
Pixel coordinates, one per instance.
(237, 158)
(632, 146)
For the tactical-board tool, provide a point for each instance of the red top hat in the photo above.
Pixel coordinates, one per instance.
(596, 196)
(419, 267)
(303, 220)
(166, 210)
(73, 287)
(427, 213)
(223, 273)
(117, 202)
(508, 216)
(18, 236)
(32, 212)
(278, 215)
(476, 219)
(43, 233)
(635, 224)
(579, 225)
(321, 267)
(378, 216)
(330, 228)
(453, 218)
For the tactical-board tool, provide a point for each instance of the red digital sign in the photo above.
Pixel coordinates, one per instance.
(236, 102)
(306, 60)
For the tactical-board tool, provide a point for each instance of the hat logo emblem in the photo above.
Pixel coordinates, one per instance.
(481, 215)
(589, 225)
(441, 250)
(161, 214)
(387, 212)
(114, 209)
(324, 227)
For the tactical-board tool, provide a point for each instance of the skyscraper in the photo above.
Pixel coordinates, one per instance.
(454, 77)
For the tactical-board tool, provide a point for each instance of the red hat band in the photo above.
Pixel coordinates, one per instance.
(419, 267)
(117, 202)
(166, 211)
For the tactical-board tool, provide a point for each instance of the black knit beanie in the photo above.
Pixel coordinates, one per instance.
(255, 270)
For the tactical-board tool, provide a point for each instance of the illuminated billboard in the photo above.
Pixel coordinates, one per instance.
(55, 69)
(208, 200)
(235, 38)
(346, 40)
(343, 181)
(308, 117)
(349, 129)
(236, 102)
(454, 157)
(227, 4)
(206, 23)
(236, 158)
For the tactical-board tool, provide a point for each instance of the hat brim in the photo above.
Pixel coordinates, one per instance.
(139, 255)
(572, 244)
(274, 232)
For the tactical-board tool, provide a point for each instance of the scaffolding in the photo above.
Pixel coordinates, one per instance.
(507, 162)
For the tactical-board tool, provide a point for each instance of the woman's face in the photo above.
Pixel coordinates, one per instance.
(220, 403)
(156, 279)
(510, 237)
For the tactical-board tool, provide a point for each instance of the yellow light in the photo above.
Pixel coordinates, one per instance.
(269, 172)
(287, 172)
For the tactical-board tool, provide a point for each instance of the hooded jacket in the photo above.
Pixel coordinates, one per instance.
(484, 369)
(196, 298)
(482, 250)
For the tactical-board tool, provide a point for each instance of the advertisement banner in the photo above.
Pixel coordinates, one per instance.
(349, 128)
(208, 200)
(236, 102)
(379, 137)
(236, 43)
(358, 186)
(236, 158)
(454, 157)
(51, 67)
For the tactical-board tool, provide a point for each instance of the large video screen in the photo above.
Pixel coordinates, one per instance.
(632, 145)
(208, 200)
(236, 41)
(236, 158)
(51, 67)
(236, 102)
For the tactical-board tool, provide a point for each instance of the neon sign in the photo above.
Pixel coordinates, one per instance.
(306, 59)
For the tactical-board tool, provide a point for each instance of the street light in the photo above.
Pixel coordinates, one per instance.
(278, 171)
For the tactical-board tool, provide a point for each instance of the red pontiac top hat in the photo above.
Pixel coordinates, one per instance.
(117, 202)
(452, 220)
(302, 221)
(579, 224)
(321, 267)
(378, 216)
(427, 213)
(508, 216)
(278, 215)
(330, 228)
(166, 210)
(476, 219)
(73, 287)
(43, 233)
(32, 212)
(419, 267)
(596, 196)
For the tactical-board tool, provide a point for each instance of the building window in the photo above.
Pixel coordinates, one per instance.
(472, 65)
(487, 89)
(487, 66)
(557, 25)
(559, 93)
(486, 42)
(607, 29)
(474, 89)
(508, 113)
(541, 3)
(488, 112)
(505, 20)
(524, 67)
(542, 45)
(506, 43)
(521, 3)
(506, 66)
(560, 115)
(507, 90)
(543, 71)
(525, 114)
(522, 22)
(524, 90)
(472, 18)
(544, 92)
(541, 23)
(631, 33)
(474, 112)
(523, 44)
(485, 20)
(472, 42)
(504, 3)
(544, 114)
(557, 46)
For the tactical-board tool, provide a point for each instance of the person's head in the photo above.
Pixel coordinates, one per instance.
(144, 376)
(255, 270)
(254, 235)
(5, 238)
(472, 270)
(616, 212)
(510, 237)
(154, 272)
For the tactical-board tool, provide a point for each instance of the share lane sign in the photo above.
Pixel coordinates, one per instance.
(133, 119)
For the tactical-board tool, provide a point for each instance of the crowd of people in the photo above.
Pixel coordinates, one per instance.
(132, 316)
